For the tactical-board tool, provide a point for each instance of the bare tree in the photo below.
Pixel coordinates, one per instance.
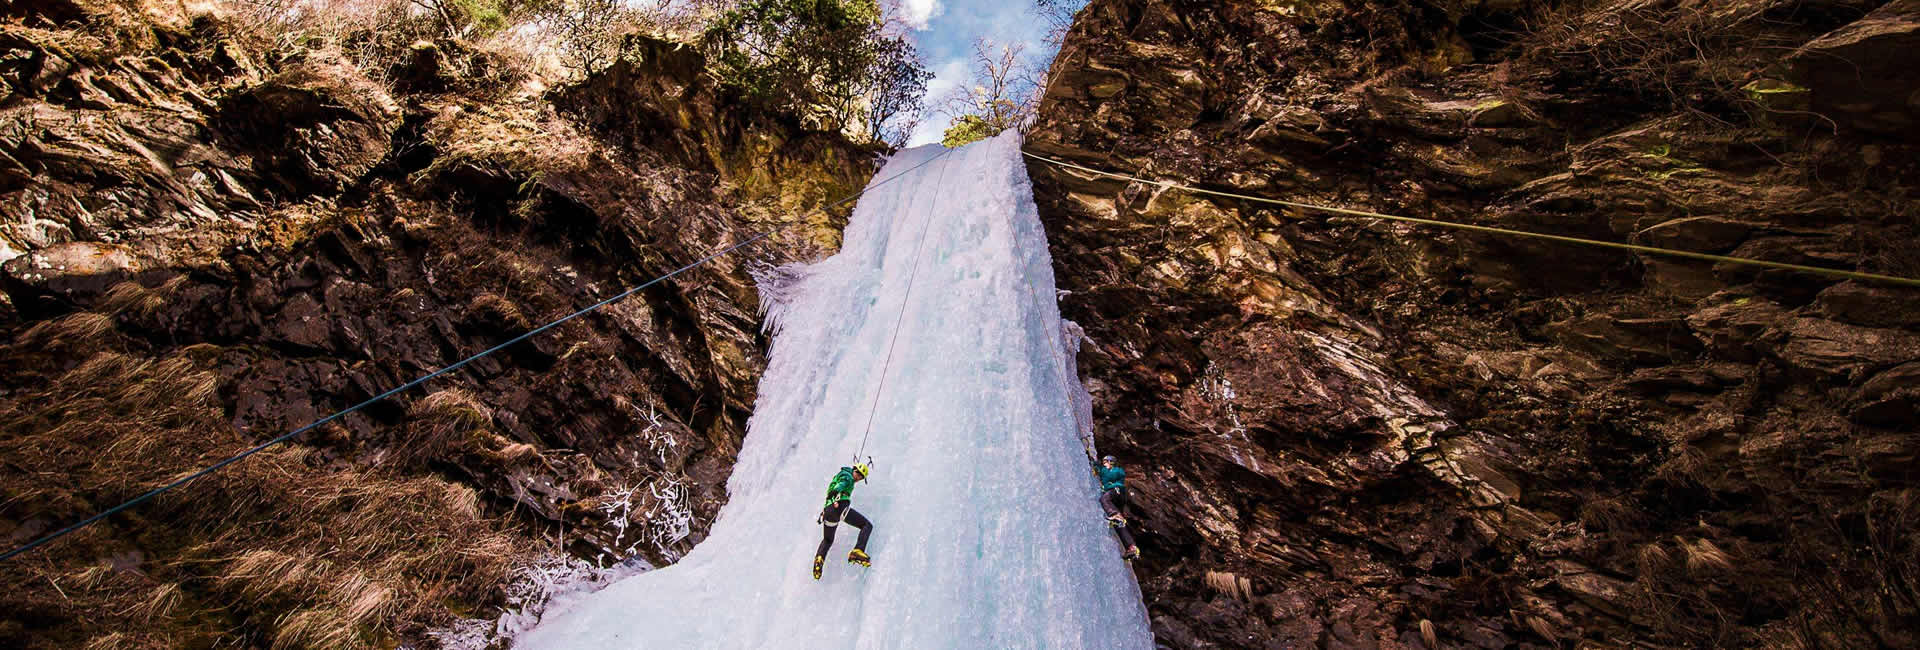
(1059, 16)
(587, 33)
(1000, 94)
(682, 19)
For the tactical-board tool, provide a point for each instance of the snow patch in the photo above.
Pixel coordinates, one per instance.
(548, 585)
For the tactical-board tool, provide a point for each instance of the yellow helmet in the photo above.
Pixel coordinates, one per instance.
(860, 471)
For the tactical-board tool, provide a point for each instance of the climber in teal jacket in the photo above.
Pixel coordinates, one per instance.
(1112, 478)
(839, 508)
(1113, 500)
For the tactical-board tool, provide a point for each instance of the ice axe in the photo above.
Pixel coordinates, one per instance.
(856, 461)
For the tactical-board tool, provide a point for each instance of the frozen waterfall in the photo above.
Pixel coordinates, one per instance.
(987, 533)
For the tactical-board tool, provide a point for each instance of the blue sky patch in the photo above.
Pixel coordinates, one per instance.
(944, 31)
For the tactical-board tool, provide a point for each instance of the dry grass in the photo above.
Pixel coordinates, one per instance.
(159, 605)
(497, 311)
(313, 628)
(284, 549)
(1694, 55)
(1230, 585)
(530, 141)
(1892, 531)
(1608, 513)
(121, 641)
(129, 296)
(68, 331)
(372, 34)
(461, 500)
(1651, 560)
(1686, 466)
(1703, 557)
(447, 423)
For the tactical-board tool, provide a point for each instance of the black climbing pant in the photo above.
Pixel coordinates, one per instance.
(831, 518)
(1114, 502)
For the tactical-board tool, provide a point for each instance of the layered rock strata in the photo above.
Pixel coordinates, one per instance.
(1352, 433)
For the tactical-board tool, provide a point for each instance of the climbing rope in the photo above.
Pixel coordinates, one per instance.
(455, 366)
(912, 271)
(1652, 250)
(1082, 431)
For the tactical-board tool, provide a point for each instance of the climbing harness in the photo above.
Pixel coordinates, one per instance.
(1652, 250)
(912, 271)
(455, 366)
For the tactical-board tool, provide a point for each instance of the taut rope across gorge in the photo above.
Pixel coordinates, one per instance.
(1651, 250)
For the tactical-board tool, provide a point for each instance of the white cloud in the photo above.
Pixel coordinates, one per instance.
(946, 77)
(917, 13)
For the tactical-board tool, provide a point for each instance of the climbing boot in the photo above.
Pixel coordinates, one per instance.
(817, 561)
(1133, 553)
(859, 557)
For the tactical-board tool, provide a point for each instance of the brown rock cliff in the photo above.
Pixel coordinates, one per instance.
(1351, 433)
(206, 246)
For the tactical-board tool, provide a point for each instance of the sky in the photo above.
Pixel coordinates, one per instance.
(944, 31)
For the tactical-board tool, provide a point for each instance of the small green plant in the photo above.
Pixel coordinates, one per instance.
(1663, 154)
(967, 129)
(482, 18)
(1001, 94)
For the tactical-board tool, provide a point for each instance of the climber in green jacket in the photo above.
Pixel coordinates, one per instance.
(839, 508)
(1113, 500)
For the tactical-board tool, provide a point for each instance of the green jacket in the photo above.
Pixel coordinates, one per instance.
(1112, 478)
(841, 488)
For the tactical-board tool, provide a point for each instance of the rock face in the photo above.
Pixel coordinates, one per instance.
(1349, 433)
(204, 247)
(1861, 72)
(313, 127)
(657, 98)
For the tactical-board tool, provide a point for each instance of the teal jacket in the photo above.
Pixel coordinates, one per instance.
(841, 488)
(1112, 478)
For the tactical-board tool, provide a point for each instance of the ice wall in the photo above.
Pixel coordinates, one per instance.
(987, 533)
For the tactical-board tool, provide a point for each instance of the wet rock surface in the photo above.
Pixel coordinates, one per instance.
(205, 247)
(1349, 433)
